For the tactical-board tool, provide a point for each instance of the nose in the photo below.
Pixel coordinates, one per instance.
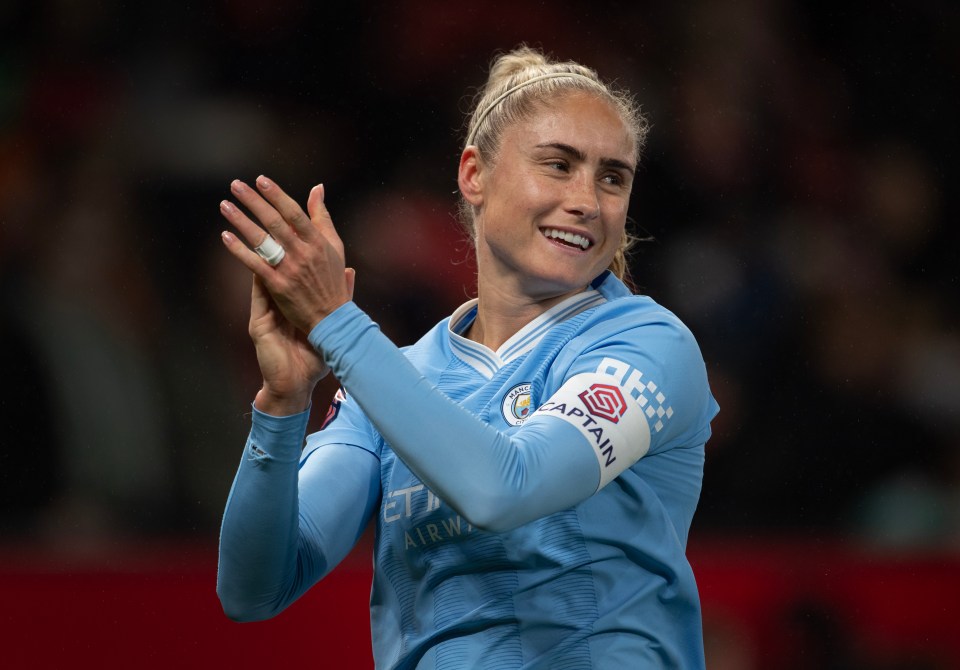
(582, 198)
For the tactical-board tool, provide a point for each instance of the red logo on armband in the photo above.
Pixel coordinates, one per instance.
(604, 401)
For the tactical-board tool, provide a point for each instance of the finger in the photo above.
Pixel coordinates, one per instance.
(269, 218)
(259, 299)
(350, 277)
(245, 255)
(288, 208)
(252, 233)
(318, 208)
(320, 216)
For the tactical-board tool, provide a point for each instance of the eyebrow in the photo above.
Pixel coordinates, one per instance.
(615, 163)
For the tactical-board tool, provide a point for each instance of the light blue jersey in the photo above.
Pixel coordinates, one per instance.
(534, 514)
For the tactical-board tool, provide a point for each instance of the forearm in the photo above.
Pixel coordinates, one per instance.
(259, 535)
(493, 480)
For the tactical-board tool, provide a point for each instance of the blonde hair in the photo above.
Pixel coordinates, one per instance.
(520, 81)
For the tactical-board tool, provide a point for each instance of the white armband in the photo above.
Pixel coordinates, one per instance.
(606, 414)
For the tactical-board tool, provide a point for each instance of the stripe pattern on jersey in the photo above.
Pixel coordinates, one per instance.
(488, 362)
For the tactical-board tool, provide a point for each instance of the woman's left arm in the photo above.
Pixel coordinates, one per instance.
(495, 480)
(598, 424)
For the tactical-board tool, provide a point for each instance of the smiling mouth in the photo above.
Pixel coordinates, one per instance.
(568, 239)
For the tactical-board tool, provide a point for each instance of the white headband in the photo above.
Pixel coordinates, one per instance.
(499, 98)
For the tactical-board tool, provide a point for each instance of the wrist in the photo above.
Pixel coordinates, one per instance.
(314, 319)
(273, 403)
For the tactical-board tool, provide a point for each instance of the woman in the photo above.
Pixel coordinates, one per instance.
(533, 462)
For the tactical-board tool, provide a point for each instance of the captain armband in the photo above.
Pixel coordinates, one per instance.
(615, 408)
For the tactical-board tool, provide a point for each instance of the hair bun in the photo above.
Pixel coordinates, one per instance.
(511, 65)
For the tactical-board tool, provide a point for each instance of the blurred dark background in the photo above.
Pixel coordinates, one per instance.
(795, 190)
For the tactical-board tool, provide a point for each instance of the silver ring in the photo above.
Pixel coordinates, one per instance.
(270, 251)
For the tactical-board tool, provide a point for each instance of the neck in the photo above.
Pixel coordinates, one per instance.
(501, 314)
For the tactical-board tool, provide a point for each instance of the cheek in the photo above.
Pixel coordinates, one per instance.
(517, 203)
(525, 196)
(615, 216)
(615, 207)
(614, 232)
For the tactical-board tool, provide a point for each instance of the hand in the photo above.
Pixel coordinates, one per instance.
(290, 366)
(311, 281)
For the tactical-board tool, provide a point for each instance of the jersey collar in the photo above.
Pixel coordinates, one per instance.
(488, 362)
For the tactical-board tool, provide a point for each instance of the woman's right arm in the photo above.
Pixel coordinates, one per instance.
(289, 523)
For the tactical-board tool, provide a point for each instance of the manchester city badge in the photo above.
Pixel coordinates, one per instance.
(516, 407)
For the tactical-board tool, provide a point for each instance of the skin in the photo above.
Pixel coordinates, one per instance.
(568, 168)
(288, 300)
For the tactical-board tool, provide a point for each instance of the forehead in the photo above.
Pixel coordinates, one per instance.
(584, 120)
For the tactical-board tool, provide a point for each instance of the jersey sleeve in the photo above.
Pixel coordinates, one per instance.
(291, 516)
(494, 479)
(631, 388)
(345, 423)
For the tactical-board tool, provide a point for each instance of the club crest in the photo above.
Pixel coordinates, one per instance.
(516, 406)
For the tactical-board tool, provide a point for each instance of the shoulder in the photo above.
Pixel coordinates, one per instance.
(638, 310)
(638, 321)
(431, 348)
(651, 355)
(625, 311)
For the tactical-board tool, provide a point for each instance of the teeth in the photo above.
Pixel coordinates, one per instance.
(569, 238)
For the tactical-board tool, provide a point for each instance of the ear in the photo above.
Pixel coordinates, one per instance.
(470, 176)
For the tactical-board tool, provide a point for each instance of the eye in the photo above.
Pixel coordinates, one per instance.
(613, 179)
(558, 165)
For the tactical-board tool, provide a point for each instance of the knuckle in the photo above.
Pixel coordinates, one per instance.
(297, 218)
(273, 224)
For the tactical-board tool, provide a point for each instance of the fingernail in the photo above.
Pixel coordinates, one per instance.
(263, 182)
(236, 185)
(226, 237)
(227, 206)
(323, 192)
